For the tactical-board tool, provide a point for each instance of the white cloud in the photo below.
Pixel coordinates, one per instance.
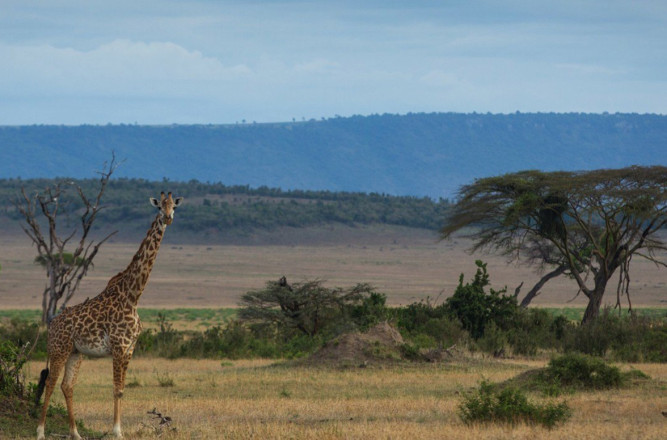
(274, 60)
(116, 68)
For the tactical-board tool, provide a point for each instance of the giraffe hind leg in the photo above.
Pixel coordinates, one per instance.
(57, 364)
(67, 386)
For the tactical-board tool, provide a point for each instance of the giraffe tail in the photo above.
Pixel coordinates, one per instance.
(40, 386)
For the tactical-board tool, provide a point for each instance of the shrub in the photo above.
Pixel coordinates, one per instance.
(12, 360)
(164, 343)
(371, 311)
(623, 338)
(414, 317)
(533, 329)
(21, 332)
(475, 308)
(493, 341)
(577, 371)
(510, 406)
(234, 341)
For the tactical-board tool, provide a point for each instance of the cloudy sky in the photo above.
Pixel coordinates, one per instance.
(197, 61)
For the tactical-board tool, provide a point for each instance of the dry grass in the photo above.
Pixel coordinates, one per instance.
(253, 399)
(250, 399)
(406, 267)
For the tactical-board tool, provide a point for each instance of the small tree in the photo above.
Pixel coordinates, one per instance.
(64, 270)
(308, 308)
(593, 222)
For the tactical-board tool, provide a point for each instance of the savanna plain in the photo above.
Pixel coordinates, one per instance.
(244, 399)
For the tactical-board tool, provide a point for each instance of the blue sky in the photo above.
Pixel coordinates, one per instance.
(167, 61)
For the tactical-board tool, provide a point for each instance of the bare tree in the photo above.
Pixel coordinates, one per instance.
(42, 210)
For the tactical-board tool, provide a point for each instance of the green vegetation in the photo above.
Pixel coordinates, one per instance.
(488, 404)
(18, 413)
(201, 317)
(288, 321)
(311, 309)
(213, 208)
(477, 309)
(576, 371)
(634, 338)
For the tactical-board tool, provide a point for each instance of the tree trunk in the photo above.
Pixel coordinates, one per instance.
(595, 300)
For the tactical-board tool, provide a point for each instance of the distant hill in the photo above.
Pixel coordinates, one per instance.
(216, 213)
(415, 154)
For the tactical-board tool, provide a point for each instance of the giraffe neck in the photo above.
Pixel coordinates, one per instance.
(136, 275)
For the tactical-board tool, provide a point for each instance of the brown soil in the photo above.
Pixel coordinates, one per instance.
(381, 344)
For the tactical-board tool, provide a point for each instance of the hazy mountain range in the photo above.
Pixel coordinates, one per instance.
(413, 154)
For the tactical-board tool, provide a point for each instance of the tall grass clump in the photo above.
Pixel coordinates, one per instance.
(509, 406)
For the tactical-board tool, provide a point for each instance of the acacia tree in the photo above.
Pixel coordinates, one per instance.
(43, 209)
(308, 308)
(586, 224)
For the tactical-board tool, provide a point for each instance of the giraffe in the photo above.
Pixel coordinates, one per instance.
(106, 325)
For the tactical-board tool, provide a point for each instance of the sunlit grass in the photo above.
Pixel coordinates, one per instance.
(212, 399)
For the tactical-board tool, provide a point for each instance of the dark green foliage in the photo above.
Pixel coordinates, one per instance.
(234, 341)
(577, 372)
(21, 331)
(535, 329)
(217, 210)
(370, 311)
(12, 360)
(509, 406)
(632, 338)
(475, 308)
(428, 325)
(310, 308)
(164, 342)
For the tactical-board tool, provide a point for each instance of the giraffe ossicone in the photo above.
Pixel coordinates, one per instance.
(106, 325)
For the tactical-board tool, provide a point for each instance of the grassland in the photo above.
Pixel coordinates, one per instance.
(408, 266)
(197, 285)
(208, 399)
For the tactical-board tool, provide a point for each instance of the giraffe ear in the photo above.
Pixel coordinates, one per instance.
(177, 201)
(154, 202)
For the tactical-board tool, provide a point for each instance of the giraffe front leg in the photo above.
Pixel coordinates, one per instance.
(119, 369)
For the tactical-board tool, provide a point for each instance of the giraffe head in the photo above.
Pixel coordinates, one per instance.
(166, 205)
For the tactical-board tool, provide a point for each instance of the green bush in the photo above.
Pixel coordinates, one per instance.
(164, 342)
(428, 326)
(475, 308)
(577, 371)
(623, 338)
(371, 311)
(510, 406)
(493, 341)
(535, 329)
(12, 360)
(21, 332)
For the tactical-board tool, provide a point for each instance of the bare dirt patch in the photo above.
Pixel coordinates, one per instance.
(381, 344)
